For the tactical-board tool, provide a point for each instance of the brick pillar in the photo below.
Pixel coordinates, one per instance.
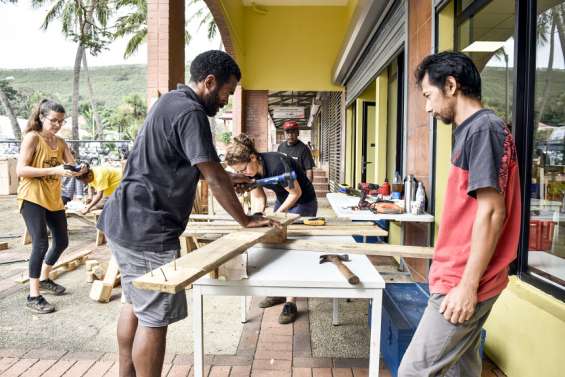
(418, 129)
(237, 111)
(165, 47)
(255, 117)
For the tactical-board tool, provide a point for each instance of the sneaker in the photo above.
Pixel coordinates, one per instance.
(288, 314)
(39, 305)
(52, 287)
(271, 301)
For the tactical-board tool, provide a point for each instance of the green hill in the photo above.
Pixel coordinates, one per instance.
(110, 83)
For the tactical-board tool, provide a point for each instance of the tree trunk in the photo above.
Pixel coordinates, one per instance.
(548, 72)
(10, 112)
(99, 127)
(76, 94)
(559, 19)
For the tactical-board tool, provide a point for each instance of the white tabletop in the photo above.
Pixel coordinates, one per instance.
(301, 269)
(341, 204)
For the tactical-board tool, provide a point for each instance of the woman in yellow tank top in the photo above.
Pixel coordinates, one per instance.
(40, 167)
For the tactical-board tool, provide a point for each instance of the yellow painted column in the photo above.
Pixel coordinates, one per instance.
(446, 30)
(349, 152)
(381, 100)
(358, 141)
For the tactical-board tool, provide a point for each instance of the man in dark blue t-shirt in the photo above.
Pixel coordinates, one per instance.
(149, 210)
(295, 148)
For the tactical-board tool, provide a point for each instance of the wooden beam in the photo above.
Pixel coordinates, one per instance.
(173, 277)
(67, 263)
(379, 249)
(195, 229)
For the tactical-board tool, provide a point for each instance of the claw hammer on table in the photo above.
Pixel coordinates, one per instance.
(338, 261)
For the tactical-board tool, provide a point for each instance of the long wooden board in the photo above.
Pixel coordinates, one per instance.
(226, 218)
(293, 230)
(175, 276)
(379, 249)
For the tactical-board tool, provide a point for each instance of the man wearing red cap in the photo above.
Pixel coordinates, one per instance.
(297, 149)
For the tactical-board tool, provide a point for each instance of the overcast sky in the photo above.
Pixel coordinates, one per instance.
(24, 45)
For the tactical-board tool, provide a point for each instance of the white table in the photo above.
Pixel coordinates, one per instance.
(297, 274)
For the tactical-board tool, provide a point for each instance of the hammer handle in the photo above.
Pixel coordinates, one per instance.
(346, 272)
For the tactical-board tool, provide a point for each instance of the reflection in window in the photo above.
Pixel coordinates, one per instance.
(546, 257)
(488, 38)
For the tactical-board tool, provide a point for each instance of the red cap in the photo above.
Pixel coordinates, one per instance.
(290, 125)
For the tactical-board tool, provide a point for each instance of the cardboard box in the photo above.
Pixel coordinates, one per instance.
(8, 176)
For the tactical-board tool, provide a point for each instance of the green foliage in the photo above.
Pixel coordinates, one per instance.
(225, 137)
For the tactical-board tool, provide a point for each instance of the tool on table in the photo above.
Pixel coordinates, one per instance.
(287, 179)
(338, 261)
(314, 221)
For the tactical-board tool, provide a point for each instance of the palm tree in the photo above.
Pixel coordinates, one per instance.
(83, 21)
(204, 17)
(134, 24)
(5, 90)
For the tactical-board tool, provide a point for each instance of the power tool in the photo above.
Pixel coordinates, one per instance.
(287, 179)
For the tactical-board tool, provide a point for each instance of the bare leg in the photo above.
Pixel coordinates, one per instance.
(291, 299)
(149, 350)
(34, 287)
(45, 270)
(127, 327)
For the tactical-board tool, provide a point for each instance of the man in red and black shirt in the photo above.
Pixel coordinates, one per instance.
(480, 226)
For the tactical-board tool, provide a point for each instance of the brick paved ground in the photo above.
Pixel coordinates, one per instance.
(266, 349)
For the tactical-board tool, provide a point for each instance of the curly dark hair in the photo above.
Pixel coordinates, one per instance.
(451, 63)
(214, 62)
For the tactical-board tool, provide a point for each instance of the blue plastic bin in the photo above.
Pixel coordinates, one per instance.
(403, 307)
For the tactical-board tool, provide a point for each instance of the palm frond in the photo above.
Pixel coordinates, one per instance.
(135, 41)
(54, 12)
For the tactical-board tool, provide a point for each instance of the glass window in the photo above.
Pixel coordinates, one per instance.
(546, 256)
(488, 38)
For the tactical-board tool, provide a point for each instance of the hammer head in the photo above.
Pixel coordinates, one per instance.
(328, 258)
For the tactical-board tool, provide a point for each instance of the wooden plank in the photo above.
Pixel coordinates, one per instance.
(380, 249)
(67, 263)
(203, 219)
(101, 290)
(175, 276)
(3, 245)
(293, 230)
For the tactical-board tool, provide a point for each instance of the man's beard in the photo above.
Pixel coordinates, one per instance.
(446, 116)
(211, 103)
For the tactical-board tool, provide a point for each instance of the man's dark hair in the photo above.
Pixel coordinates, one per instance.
(214, 62)
(450, 63)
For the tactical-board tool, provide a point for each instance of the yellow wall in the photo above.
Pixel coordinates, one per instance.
(526, 332)
(292, 48)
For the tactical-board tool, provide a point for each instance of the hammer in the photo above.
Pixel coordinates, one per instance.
(338, 261)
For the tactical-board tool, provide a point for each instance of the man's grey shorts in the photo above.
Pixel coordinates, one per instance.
(152, 309)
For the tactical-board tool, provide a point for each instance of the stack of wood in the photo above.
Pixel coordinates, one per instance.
(66, 264)
(103, 280)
